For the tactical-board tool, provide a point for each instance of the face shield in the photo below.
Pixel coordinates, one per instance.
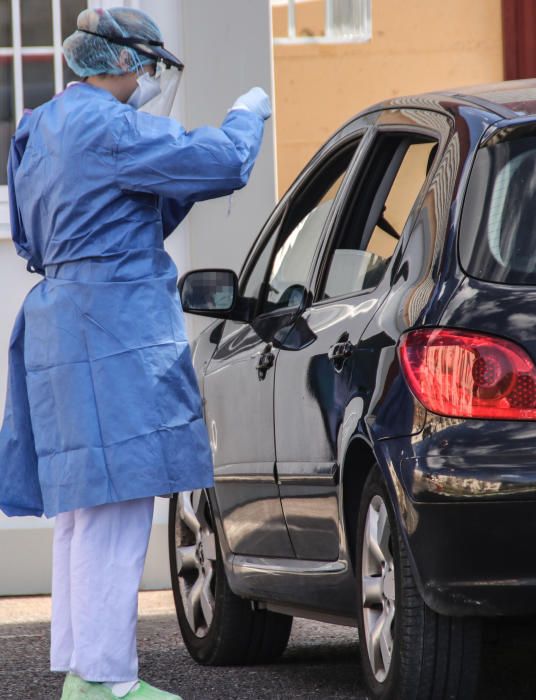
(161, 88)
(160, 105)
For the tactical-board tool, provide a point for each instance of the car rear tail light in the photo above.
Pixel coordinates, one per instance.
(469, 375)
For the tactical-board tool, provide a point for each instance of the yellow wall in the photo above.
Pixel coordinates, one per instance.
(417, 45)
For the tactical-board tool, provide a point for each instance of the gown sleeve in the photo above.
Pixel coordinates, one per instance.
(18, 232)
(157, 155)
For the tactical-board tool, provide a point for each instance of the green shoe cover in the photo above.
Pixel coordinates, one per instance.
(75, 688)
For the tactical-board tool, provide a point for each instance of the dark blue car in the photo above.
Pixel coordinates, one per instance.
(370, 393)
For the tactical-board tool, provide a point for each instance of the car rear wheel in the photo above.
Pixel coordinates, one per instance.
(408, 652)
(218, 627)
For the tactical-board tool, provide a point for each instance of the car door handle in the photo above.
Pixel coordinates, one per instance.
(266, 360)
(341, 351)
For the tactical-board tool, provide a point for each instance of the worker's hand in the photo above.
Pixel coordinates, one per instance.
(256, 100)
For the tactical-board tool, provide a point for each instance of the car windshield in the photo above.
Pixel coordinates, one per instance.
(498, 227)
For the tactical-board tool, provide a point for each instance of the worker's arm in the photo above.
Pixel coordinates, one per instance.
(158, 155)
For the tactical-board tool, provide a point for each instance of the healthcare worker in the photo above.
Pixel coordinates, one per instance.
(103, 411)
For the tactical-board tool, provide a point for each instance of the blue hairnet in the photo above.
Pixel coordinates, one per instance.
(92, 55)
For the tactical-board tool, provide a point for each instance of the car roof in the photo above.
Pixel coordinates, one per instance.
(510, 99)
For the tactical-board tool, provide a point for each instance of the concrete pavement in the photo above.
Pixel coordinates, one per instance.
(321, 660)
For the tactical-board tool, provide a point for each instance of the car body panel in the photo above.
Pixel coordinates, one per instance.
(244, 450)
(311, 398)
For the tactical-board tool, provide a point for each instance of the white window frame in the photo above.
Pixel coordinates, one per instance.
(17, 52)
(332, 35)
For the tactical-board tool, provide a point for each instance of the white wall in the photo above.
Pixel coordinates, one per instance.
(226, 47)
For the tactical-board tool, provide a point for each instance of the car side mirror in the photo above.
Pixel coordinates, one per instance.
(209, 293)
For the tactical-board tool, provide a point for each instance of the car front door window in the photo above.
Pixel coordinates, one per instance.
(300, 234)
(373, 225)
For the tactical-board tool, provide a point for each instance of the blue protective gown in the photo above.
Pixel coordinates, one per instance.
(102, 403)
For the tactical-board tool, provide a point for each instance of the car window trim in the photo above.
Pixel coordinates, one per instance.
(269, 229)
(442, 139)
(350, 295)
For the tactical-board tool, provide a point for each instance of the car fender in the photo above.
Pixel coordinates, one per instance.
(358, 446)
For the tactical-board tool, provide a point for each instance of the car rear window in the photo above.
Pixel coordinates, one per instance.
(498, 226)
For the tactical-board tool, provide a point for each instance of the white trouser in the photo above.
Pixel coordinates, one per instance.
(99, 554)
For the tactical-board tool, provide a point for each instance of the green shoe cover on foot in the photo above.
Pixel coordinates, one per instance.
(75, 688)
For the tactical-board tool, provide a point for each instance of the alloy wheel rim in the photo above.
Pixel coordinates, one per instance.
(195, 545)
(378, 588)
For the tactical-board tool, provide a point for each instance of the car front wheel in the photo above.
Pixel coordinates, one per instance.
(408, 652)
(218, 627)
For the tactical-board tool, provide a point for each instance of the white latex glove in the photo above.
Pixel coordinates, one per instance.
(256, 100)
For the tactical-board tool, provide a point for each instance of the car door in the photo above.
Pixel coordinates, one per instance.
(321, 385)
(239, 380)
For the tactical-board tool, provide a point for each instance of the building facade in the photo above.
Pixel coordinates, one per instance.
(415, 46)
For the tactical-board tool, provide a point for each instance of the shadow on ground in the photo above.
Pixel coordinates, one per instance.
(321, 662)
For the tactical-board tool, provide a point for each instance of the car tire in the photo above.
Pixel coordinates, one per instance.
(408, 652)
(218, 627)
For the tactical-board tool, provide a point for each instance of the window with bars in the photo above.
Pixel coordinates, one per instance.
(32, 68)
(325, 21)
